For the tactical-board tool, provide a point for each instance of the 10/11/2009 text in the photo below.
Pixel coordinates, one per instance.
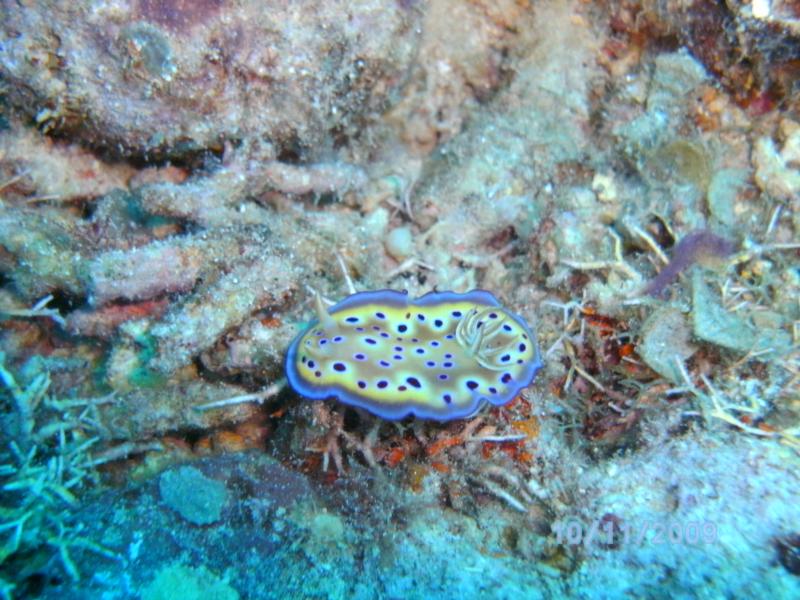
(611, 532)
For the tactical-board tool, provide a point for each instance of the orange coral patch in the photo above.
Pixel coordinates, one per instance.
(530, 427)
(271, 321)
(442, 444)
(229, 441)
(440, 466)
(395, 456)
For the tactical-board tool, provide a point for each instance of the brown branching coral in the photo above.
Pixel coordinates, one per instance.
(196, 325)
(164, 266)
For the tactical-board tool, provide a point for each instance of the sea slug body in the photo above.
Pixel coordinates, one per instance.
(441, 356)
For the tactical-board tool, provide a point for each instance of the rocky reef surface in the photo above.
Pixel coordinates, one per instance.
(179, 180)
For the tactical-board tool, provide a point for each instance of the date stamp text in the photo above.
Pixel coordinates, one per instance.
(610, 532)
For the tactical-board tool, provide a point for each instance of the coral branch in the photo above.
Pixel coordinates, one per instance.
(171, 265)
(196, 325)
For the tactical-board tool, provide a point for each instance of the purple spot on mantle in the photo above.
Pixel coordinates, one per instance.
(413, 381)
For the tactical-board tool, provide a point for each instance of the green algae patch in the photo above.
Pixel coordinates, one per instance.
(192, 495)
(180, 581)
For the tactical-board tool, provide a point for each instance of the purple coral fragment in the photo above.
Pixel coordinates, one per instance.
(694, 246)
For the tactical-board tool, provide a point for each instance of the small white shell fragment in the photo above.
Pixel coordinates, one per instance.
(760, 8)
(400, 243)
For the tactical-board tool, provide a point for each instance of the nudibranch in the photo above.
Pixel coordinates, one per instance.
(441, 356)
